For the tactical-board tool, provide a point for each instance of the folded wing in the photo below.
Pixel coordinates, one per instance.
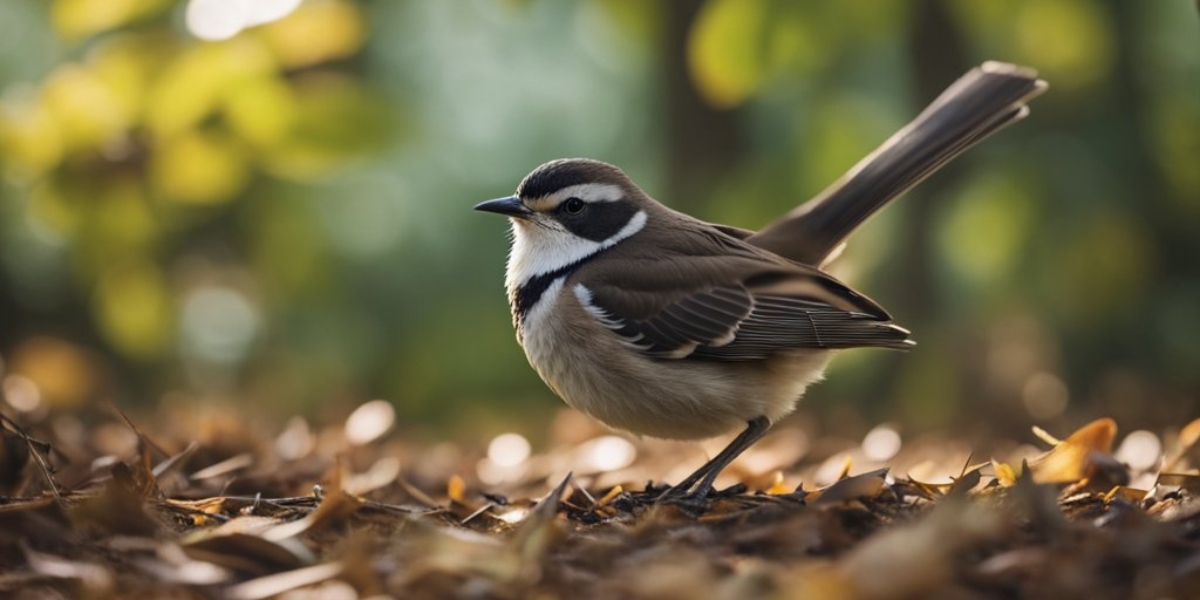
(751, 318)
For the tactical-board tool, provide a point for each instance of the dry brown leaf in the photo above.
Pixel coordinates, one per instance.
(865, 538)
(866, 485)
(1075, 458)
(225, 467)
(1187, 455)
(94, 578)
(1190, 434)
(117, 509)
(1186, 481)
(914, 561)
(272, 585)
(965, 483)
(246, 553)
(537, 533)
(1125, 493)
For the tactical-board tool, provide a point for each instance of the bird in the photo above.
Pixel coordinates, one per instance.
(664, 325)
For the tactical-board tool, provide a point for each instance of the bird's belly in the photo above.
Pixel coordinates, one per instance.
(676, 399)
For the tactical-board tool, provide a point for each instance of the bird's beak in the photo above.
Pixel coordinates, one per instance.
(510, 206)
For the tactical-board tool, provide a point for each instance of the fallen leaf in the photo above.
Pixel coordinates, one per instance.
(866, 485)
(272, 585)
(1077, 456)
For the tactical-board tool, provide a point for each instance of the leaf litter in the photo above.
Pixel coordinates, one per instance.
(350, 510)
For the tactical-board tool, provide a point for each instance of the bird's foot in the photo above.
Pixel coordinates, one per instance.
(698, 497)
(679, 495)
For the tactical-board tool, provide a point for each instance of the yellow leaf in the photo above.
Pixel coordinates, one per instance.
(261, 110)
(1005, 474)
(337, 119)
(79, 18)
(1074, 61)
(108, 218)
(126, 220)
(610, 496)
(317, 32)
(1006, 216)
(128, 64)
(133, 309)
(29, 137)
(1072, 459)
(725, 51)
(193, 85)
(455, 488)
(88, 112)
(65, 374)
(201, 168)
(777, 486)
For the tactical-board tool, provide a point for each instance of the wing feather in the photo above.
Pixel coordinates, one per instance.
(713, 297)
(734, 323)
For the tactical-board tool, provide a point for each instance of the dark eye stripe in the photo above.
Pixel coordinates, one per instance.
(600, 222)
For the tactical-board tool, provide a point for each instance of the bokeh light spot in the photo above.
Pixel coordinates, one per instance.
(218, 325)
(1045, 395)
(22, 393)
(1140, 450)
(215, 20)
(514, 516)
(608, 453)
(369, 422)
(881, 443)
(509, 450)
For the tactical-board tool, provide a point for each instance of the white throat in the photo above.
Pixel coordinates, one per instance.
(538, 250)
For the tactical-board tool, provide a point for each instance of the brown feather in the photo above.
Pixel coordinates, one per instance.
(687, 290)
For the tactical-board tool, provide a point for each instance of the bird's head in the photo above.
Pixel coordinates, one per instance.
(568, 210)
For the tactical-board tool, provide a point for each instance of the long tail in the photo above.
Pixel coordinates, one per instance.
(982, 102)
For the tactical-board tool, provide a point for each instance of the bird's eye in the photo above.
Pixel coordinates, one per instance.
(573, 205)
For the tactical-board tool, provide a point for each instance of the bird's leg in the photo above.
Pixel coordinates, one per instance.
(707, 474)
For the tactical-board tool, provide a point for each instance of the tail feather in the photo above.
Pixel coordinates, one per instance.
(985, 100)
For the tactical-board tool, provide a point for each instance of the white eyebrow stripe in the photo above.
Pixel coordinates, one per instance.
(592, 192)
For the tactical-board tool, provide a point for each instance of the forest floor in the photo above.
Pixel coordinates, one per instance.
(187, 508)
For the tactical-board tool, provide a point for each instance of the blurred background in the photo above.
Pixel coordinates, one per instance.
(266, 203)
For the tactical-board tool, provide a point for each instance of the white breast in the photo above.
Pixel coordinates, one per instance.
(545, 247)
(590, 368)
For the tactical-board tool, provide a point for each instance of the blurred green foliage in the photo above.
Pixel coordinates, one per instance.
(282, 218)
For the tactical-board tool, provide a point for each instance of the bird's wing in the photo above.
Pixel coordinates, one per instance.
(752, 313)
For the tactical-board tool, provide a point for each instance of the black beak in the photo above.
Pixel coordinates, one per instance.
(509, 206)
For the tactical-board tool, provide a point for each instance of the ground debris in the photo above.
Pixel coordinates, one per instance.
(343, 512)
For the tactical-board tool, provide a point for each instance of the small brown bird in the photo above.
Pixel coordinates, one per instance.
(663, 325)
